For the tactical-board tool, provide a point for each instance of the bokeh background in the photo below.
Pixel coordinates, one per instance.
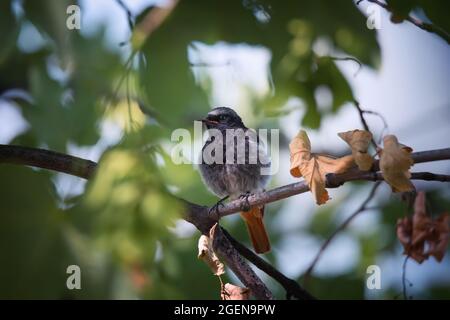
(79, 92)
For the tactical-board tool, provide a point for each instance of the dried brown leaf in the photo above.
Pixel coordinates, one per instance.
(206, 253)
(395, 161)
(421, 221)
(359, 141)
(438, 247)
(421, 236)
(314, 167)
(404, 231)
(233, 292)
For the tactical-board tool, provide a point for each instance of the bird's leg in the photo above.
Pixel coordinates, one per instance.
(247, 203)
(215, 208)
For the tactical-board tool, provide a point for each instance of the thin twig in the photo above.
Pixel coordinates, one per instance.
(364, 122)
(383, 119)
(404, 280)
(429, 27)
(130, 17)
(349, 59)
(339, 229)
(293, 288)
(335, 180)
(128, 66)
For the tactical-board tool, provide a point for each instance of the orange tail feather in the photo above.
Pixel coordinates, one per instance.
(255, 225)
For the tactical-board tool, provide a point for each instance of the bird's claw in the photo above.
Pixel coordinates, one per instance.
(215, 208)
(247, 203)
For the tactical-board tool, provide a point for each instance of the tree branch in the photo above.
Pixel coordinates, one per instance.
(196, 214)
(292, 287)
(203, 220)
(200, 215)
(429, 27)
(46, 159)
(334, 181)
(228, 253)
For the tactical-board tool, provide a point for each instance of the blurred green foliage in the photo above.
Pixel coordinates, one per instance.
(291, 31)
(120, 230)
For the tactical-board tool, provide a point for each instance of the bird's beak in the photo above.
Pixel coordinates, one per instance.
(207, 121)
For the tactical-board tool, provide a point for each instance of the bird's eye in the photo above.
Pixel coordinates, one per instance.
(222, 117)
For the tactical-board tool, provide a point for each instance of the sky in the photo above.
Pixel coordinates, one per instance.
(410, 89)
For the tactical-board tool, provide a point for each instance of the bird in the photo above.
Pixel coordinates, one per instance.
(236, 179)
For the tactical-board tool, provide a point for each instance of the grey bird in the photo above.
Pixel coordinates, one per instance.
(237, 179)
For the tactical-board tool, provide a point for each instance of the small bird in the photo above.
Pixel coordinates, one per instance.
(237, 179)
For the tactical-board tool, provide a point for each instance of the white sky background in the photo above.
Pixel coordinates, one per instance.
(411, 90)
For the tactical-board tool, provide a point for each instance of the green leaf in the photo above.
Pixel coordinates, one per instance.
(7, 39)
(328, 74)
(132, 209)
(47, 116)
(34, 255)
(167, 79)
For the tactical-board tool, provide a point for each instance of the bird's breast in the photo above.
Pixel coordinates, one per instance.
(237, 174)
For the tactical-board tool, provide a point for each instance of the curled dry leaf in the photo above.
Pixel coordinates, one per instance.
(314, 167)
(404, 233)
(206, 253)
(395, 161)
(359, 141)
(421, 221)
(440, 237)
(232, 292)
(422, 236)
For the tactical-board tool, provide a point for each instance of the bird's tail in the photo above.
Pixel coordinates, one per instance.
(255, 225)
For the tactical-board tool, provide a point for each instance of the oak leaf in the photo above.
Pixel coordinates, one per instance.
(359, 141)
(395, 161)
(314, 167)
(232, 292)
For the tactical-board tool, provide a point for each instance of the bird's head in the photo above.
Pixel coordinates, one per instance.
(223, 118)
